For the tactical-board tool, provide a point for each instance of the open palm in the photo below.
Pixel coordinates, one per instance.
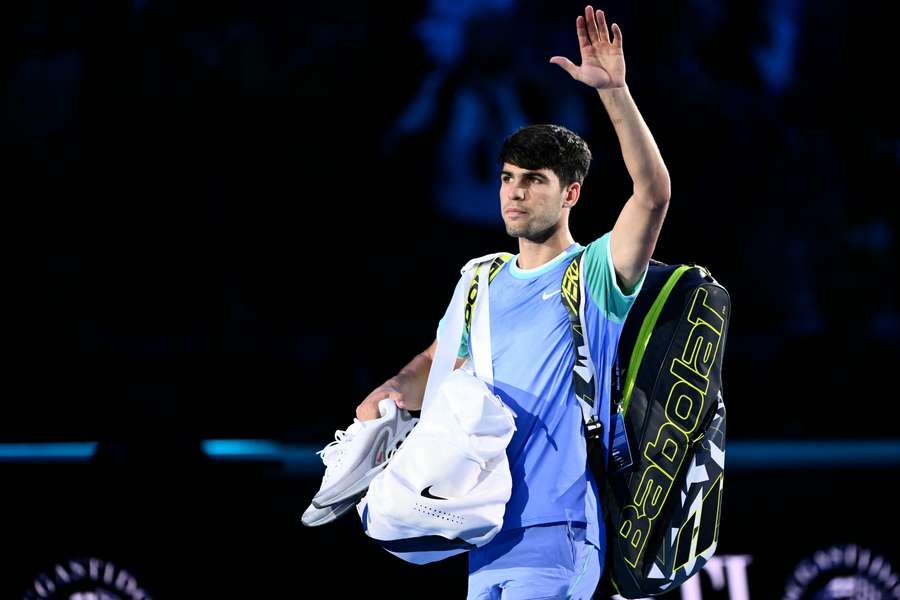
(602, 60)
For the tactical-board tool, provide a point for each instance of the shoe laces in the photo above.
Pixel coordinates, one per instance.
(331, 453)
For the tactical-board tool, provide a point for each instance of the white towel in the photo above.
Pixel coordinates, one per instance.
(457, 456)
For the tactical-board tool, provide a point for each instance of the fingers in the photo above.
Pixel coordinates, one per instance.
(384, 394)
(367, 412)
(593, 31)
(593, 28)
(583, 40)
(601, 24)
(368, 408)
(566, 64)
(398, 399)
(617, 36)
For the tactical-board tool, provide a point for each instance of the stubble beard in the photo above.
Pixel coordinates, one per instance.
(537, 233)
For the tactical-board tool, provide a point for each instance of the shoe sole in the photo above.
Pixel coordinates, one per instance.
(328, 514)
(356, 488)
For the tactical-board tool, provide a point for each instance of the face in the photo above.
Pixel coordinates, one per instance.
(531, 201)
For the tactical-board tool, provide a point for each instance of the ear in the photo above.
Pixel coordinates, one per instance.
(572, 193)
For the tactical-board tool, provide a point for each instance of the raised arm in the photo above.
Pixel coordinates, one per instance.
(603, 68)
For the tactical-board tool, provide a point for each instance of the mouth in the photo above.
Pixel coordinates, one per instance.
(512, 212)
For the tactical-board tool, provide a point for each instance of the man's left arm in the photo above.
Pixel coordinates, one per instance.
(603, 68)
(637, 228)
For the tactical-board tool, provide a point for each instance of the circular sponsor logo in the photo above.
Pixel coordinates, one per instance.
(846, 572)
(85, 579)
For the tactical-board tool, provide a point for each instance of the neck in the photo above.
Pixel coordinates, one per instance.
(534, 254)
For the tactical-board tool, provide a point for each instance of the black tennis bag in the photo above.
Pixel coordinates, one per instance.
(665, 474)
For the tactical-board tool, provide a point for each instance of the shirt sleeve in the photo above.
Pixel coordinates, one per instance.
(463, 350)
(602, 283)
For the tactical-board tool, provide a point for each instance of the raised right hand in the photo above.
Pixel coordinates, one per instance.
(602, 59)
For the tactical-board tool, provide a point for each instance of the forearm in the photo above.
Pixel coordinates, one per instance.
(406, 388)
(412, 379)
(639, 150)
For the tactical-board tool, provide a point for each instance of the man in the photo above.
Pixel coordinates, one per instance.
(552, 543)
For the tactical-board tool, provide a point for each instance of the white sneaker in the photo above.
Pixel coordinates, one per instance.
(358, 454)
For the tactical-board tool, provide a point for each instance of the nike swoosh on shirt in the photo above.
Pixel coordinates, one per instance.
(546, 296)
(427, 494)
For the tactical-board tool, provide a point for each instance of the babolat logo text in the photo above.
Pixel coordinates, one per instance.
(687, 382)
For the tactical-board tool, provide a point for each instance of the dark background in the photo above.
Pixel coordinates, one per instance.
(235, 219)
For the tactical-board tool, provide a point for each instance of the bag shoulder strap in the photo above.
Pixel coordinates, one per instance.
(479, 331)
(448, 342)
(584, 376)
(483, 259)
(496, 260)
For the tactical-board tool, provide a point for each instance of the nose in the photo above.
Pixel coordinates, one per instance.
(515, 192)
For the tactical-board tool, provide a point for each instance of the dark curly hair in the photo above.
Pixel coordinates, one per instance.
(548, 147)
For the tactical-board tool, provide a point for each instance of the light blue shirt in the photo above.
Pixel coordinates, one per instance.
(532, 355)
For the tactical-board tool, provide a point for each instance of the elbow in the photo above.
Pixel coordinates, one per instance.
(660, 199)
(655, 191)
(661, 187)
